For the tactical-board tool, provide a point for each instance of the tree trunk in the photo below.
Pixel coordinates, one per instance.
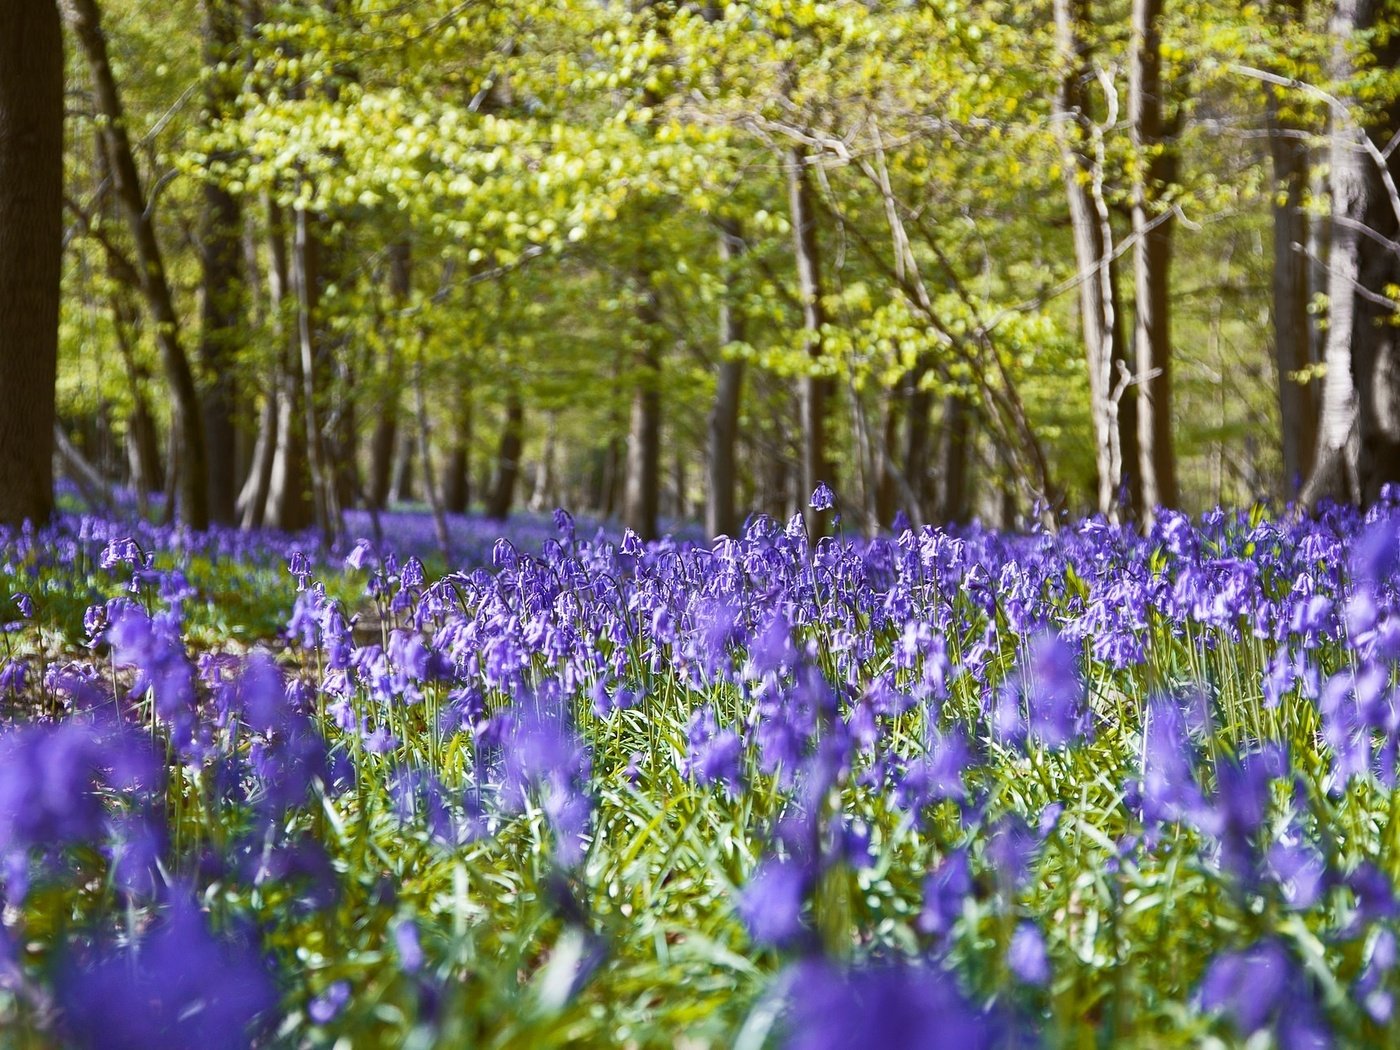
(953, 454)
(815, 390)
(306, 279)
(222, 306)
(131, 196)
(1115, 424)
(642, 494)
(456, 481)
(507, 459)
(721, 516)
(288, 505)
(404, 486)
(252, 500)
(542, 494)
(1336, 465)
(1291, 295)
(1152, 253)
(425, 457)
(1376, 336)
(143, 443)
(31, 238)
(917, 439)
(384, 439)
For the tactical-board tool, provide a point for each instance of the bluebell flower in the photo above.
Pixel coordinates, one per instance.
(182, 988)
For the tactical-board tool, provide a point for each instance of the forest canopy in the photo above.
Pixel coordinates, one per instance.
(664, 259)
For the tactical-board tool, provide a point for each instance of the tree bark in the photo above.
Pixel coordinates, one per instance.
(642, 495)
(815, 390)
(456, 482)
(31, 239)
(1291, 293)
(306, 279)
(384, 439)
(1115, 425)
(288, 506)
(1152, 254)
(131, 196)
(954, 460)
(222, 306)
(507, 459)
(721, 516)
(1336, 467)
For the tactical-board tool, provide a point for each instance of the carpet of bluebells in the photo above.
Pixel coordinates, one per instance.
(932, 789)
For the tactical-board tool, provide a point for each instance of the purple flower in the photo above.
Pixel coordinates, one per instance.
(1262, 986)
(182, 988)
(822, 497)
(409, 948)
(771, 902)
(1026, 956)
(362, 552)
(944, 893)
(326, 1007)
(716, 755)
(910, 1007)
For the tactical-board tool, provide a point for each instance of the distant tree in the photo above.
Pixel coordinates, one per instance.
(31, 237)
(130, 192)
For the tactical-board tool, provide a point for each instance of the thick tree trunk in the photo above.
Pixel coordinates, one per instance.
(306, 279)
(288, 504)
(143, 443)
(1376, 338)
(31, 238)
(1115, 424)
(953, 454)
(222, 306)
(1291, 295)
(1336, 465)
(403, 488)
(131, 196)
(507, 459)
(721, 515)
(642, 494)
(1152, 254)
(457, 474)
(815, 391)
(425, 456)
(252, 500)
(542, 493)
(386, 426)
(918, 436)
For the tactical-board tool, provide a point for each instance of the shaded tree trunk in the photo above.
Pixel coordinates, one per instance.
(384, 439)
(306, 280)
(954, 460)
(288, 503)
(1152, 253)
(1115, 424)
(815, 391)
(1359, 430)
(1291, 293)
(222, 304)
(31, 238)
(507, 459)
(403, 489)
(721, 515)
(131, 196)
(456, 481)
(642, 494)
(917, 438)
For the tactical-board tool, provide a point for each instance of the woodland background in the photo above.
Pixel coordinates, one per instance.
(662, 260)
